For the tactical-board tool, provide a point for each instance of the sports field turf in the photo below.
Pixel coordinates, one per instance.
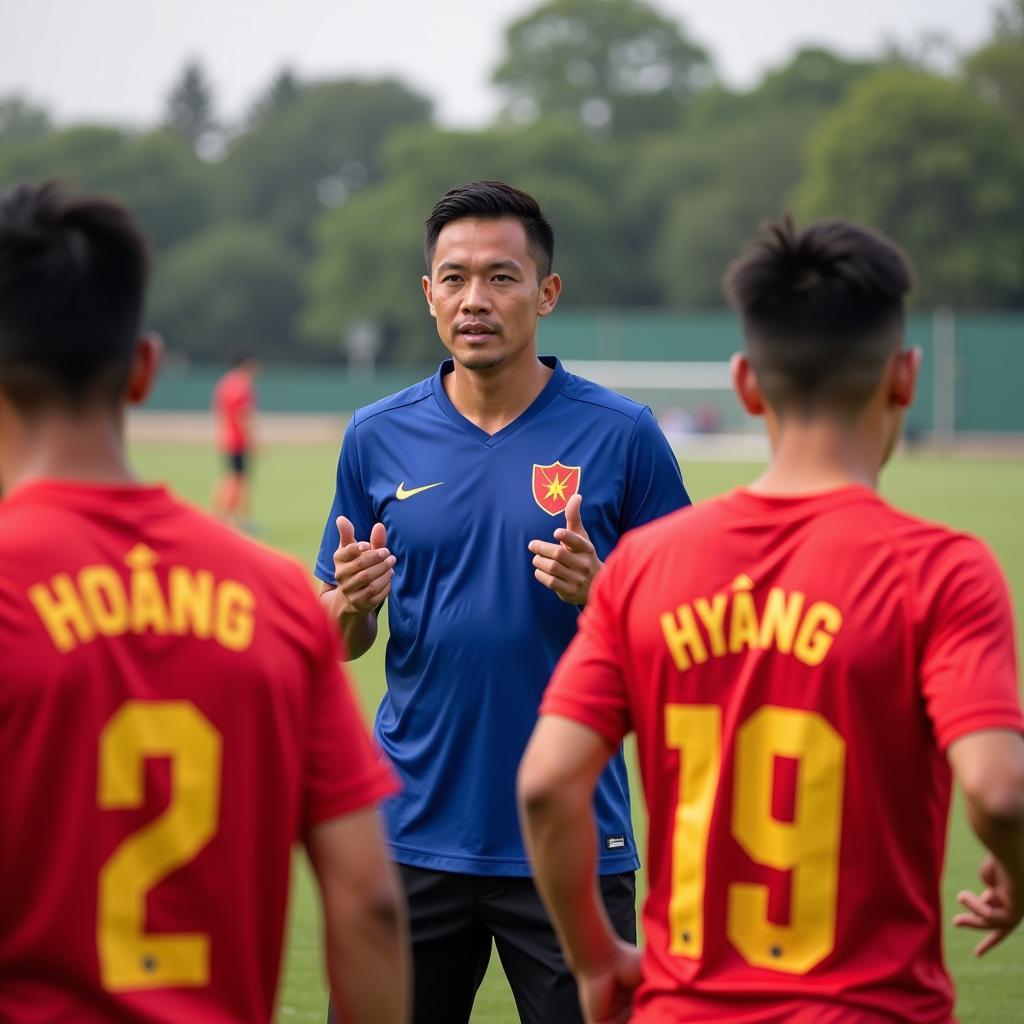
(293, 488)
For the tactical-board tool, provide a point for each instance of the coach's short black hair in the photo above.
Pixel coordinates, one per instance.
(73, 274)
(493, 200)
(822, 311)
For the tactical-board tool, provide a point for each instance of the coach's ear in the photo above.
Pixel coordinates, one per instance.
(744, 382)
(428, 291)
(149, 351)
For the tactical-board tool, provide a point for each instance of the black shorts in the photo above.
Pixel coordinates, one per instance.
(237, 462)
(453, 921)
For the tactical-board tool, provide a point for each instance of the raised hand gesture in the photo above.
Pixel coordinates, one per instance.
(363, 570)
(568, 566)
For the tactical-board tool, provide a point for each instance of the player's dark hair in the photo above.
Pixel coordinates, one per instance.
(73, 274)
(822, 311)
(493, 200)
(241, 357)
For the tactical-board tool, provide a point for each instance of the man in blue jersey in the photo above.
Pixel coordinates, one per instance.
(480, 504)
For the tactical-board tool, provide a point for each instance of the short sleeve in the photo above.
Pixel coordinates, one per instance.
(589, 683)
(350, 500)
(654, 483)
(968, 667)
(344, 769)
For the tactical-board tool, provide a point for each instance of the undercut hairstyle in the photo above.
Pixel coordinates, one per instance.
(822, 312)
(73, 273)
(493, 200)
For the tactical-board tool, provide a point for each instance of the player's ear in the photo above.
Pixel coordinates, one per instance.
(149, 350)
(550, 289)
(744, 382)
(903, 376)
(428, 291)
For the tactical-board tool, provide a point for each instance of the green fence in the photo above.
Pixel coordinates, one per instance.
(973, 365)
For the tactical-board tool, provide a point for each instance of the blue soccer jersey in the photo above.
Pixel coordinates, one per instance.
(474, 637)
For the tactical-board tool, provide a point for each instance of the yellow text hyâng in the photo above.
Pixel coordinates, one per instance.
(732, 621)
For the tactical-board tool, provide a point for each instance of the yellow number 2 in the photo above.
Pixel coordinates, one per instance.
(807, 846)
(129, 957)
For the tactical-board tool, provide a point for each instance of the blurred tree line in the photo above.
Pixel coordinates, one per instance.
(295, 229)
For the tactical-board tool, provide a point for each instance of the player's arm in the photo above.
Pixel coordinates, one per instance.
(556, 783)
(989, 766)
(365, 933)
(968, 678)
(362, 573)
(358, 630)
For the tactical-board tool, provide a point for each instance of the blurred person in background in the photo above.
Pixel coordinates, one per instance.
(480, 503)
(234, 408)
(172, 714)
(804, 667)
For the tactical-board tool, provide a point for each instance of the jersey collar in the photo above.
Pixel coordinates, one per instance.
(84, 495)
(551, 389)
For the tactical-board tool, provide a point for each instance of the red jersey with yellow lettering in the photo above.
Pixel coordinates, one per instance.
(794, 669)
(172, 719)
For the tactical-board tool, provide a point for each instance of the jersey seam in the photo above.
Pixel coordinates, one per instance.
(605, 405)
(915, 647)
(364, 415)
(628, 486)
(359, 462)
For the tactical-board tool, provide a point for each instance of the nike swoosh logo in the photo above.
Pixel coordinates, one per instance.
(401, 494)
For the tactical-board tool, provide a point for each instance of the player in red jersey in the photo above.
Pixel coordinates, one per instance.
(172, 717)
(801, 664)
(234, 407)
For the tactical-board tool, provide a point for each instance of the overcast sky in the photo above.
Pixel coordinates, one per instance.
(115, 60)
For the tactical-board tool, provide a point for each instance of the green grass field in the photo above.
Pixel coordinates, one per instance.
(292, 493)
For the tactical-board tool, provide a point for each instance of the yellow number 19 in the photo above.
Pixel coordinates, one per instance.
(807, 846)
(129, 957)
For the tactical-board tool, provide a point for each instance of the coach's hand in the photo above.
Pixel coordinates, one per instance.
(998, 910)
(606, 995)
(569, 566)
(363, 571)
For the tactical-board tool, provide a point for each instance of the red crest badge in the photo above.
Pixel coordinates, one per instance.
(554, 485)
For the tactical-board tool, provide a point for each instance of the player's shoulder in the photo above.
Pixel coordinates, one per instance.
(598, 397)
(400, 403)
(20, 523)
(643, 544)
(82, 515)
(274, 567)
(920, 538)
(938, 557)
(228, 383)
(279, 582)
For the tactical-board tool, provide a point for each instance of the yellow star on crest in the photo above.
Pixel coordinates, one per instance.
(556, 488)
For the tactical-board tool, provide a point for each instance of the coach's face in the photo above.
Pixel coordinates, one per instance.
(485, 293)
